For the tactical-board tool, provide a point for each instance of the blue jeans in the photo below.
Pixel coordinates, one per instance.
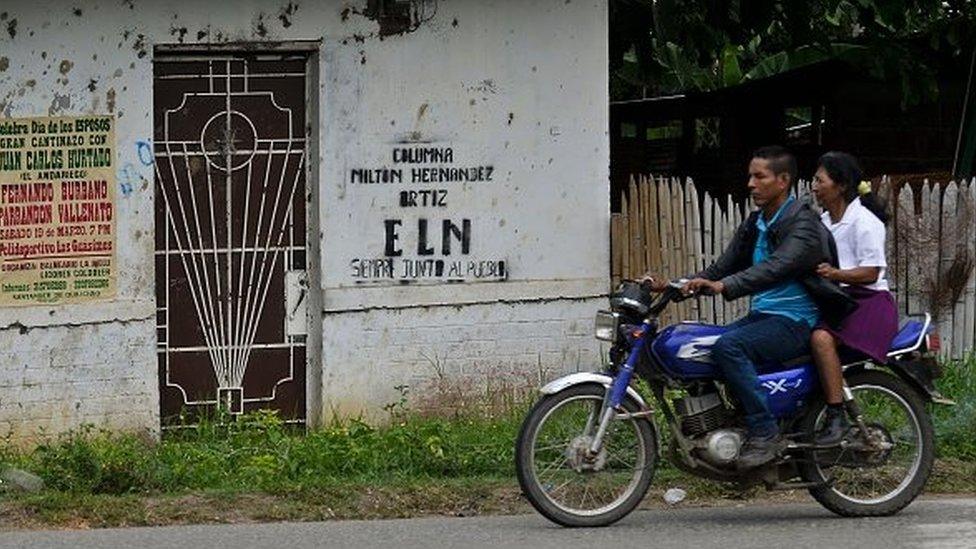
(756, 339)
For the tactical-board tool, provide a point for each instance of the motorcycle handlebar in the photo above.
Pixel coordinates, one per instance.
(680, 283)
(673, 294)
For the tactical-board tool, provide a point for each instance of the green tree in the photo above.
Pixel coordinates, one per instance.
(659, 47)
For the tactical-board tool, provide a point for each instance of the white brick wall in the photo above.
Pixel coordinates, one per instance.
(59, 378)
(367, 354)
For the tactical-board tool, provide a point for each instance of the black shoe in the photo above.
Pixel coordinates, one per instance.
(834, 428)
(759, 451)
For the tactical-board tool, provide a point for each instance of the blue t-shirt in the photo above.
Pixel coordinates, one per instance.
(789, 299)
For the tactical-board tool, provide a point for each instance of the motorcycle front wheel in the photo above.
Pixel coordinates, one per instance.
(881, 473)
(562, 480)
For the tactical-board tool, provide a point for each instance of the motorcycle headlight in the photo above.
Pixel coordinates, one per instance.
(605, 326)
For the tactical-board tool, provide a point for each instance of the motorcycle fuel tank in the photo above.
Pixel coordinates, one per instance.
(684, 351)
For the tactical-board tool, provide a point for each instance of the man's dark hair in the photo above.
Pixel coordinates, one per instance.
(781, 160)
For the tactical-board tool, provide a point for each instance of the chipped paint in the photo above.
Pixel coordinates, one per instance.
(259, 28)
(178, 32)
(140, 46)
(60, 104)
(394, 17)
(285, 14)
(485, 86)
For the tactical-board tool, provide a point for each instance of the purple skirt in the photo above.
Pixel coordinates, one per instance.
(872, 326)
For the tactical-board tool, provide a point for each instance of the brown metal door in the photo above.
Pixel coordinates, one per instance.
(230, 234)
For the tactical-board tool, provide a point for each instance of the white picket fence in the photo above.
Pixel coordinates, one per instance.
(665, 226)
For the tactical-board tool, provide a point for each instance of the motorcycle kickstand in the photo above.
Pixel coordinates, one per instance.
(799, 485)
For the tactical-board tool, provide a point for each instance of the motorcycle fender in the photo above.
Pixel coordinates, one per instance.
(921, 374)
(921, 383)
(581, 378)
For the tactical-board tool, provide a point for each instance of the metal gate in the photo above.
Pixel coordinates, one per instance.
(229, 150)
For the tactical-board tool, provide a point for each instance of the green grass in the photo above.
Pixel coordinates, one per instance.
(260, 454)
(955, 426)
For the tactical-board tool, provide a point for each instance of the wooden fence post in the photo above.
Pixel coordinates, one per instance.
(625, 230)
(616, 243)
(708, 249)
(633, 215)
(969, 294)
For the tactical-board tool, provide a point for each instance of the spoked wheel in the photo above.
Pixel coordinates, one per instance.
(883, 470)
(559, 476)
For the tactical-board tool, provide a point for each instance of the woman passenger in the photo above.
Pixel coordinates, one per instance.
(857, 222)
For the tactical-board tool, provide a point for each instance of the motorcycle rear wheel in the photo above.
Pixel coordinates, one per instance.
(875, 483)
(565, 487)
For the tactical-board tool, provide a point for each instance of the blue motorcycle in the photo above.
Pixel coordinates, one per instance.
(587, 450)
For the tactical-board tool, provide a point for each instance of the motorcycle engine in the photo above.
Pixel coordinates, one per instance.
(702, 418)
(701, 414)
(722, 447)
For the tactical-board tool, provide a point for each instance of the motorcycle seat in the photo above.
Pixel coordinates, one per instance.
(910, 336)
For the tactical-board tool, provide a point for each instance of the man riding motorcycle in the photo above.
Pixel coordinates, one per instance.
(773, 258)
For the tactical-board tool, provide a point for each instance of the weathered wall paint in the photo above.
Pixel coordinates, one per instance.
(484, 345)
(517, 86)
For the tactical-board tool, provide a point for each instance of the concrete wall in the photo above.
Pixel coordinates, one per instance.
(518, 87)
(465, 352)
(61, 379)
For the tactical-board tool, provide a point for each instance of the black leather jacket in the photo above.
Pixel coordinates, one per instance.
(798, 243)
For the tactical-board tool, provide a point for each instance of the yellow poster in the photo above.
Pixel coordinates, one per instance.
(57, 210)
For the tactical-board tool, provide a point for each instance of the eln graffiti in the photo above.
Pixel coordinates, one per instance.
(425, 248)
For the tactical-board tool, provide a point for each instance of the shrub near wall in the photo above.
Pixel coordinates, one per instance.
(259, 453)
(956, 426)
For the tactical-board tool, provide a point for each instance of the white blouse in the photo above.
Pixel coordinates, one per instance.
(860, 238)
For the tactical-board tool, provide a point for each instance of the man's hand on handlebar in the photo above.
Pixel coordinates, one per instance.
(702, 286)
(654, 283)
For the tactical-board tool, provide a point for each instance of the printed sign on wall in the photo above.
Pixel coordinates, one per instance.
(57, 210)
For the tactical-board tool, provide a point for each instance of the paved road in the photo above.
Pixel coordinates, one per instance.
(934, 523)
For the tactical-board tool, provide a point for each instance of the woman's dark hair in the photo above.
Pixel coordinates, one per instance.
(846, 172)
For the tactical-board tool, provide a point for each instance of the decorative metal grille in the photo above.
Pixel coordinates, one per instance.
(230, 216)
